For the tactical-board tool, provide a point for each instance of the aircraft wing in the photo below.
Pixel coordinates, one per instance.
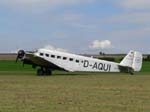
(39, 61)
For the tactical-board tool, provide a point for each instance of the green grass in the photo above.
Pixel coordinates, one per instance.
(13, 66)
(22, 91)
(146, 67)
(25, 92)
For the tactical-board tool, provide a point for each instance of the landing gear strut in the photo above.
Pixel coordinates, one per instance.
(44, 71)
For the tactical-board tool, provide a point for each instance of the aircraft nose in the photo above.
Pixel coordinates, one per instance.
(20, 55)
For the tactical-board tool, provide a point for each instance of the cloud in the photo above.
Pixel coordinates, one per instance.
(50, 47)
(104, 44)
(135, 4)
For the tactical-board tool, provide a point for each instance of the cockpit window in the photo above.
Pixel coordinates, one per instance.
(35, 51)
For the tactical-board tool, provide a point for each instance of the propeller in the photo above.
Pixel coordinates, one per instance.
(20, 55)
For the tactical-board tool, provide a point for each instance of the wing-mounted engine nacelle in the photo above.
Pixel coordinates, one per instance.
(20, 55)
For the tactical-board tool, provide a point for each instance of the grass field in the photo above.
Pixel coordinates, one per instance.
(22, 91)
(13, 66)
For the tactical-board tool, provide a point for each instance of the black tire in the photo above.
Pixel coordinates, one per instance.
(40, 72)
(131, 71)
(48, 72)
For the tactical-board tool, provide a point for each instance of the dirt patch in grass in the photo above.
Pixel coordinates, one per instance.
(8, 56)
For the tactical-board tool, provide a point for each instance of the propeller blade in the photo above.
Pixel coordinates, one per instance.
(23, 64)
(17, 58)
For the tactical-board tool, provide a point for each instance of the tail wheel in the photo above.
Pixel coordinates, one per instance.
(131, 71)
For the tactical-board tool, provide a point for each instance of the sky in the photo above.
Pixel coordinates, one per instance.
(77, 26)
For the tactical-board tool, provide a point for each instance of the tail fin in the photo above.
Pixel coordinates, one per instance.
(137, 61)
(133, 60)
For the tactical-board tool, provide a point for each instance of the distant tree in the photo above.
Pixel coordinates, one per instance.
(147, 58)
(100, 53)
(108, 58)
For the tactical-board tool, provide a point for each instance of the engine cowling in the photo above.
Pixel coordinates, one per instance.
(20, 55)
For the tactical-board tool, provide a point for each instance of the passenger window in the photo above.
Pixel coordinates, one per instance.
(53, 56)
(41, 54)
(58, 57)
(77, 61)
(71, 59)
(64, 58)
(47, 55)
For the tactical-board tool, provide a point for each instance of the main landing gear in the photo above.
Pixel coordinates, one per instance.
(44, 71)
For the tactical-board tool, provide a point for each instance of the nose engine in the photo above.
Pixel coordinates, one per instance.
(20, 55)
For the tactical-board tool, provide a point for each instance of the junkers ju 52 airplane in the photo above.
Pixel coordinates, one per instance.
(49, 60)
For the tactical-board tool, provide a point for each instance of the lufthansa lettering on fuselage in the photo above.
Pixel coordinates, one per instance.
(97, 66)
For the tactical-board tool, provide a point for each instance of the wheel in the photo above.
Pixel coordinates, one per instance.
(48, 72)
(40, 72)
(131, 71)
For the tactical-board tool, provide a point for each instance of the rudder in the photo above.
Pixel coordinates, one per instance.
(137, 61)
(133, 60)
